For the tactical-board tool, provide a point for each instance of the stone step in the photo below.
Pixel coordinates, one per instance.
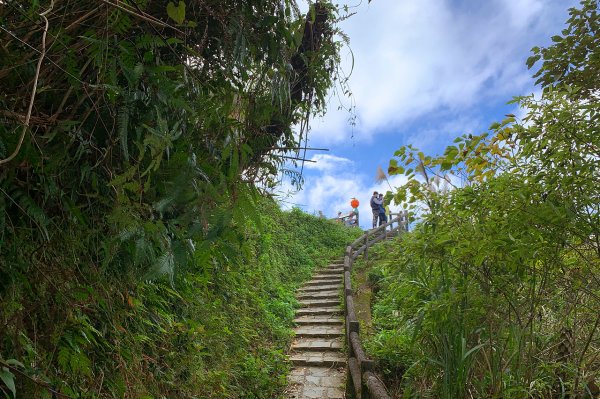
(317, 288)
(325, 275)
(319, 331)
(319, 320)
(319, 303)
(330, 268)
(332, 310)
(317, 344)
(331, 272)
(316, 382)
(324, 281)
(319, 295)
(328, 272)
(332, 278)
(324, 272)
(317, 350)
(318, 359)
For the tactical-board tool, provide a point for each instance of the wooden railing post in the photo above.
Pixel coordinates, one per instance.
(365, 365)
(364, 382)
(401, 227)
(400, 223)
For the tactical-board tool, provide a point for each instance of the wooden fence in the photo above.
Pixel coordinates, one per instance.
(365, 383)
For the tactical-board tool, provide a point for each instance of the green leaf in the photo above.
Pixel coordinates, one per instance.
(9, 380)
(495, 126)
(470, 351)
(451, 153)
(532, 60)
(445, 165)
(176, 13)
(395, 170)
(15, 362)
(400, 152)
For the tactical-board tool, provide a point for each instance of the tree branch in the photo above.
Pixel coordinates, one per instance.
(35, 81)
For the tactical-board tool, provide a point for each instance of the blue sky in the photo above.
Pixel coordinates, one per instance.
(425, 72)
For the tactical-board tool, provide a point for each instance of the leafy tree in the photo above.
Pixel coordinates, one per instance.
(150, 114)
(573, 59)
(497, 286)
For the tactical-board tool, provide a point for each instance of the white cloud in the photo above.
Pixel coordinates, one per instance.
(428, 69)
(522, 12)
(331, 192)
(327, 163)
(415, 57)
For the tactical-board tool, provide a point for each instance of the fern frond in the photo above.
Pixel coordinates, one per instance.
(163, 204)
(32, 210)
(122, 129)
(80, 364)
(128, 232)
(2, 217)
(138, 70)
(64, 354)
(164, 266)
(144, 251)
(182, 253)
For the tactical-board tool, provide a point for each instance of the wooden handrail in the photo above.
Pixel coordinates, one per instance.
(366, 384)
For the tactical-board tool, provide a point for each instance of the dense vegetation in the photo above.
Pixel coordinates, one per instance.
(137, 141)
(210, 333)
(496, 292)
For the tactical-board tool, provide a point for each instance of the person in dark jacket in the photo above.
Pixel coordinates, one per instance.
(376, 201)
(382, 215)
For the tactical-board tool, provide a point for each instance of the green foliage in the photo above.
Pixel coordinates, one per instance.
(140, 133)
(497, 284)
(218, 329)
(494, 288)
(8, 379)
(133, 219)
(574, 58)
(176, 13)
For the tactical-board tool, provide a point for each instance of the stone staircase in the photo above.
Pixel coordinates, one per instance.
(317, 355)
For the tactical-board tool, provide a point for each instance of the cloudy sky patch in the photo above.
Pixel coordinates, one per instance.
(327, 163)
(425, 72)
